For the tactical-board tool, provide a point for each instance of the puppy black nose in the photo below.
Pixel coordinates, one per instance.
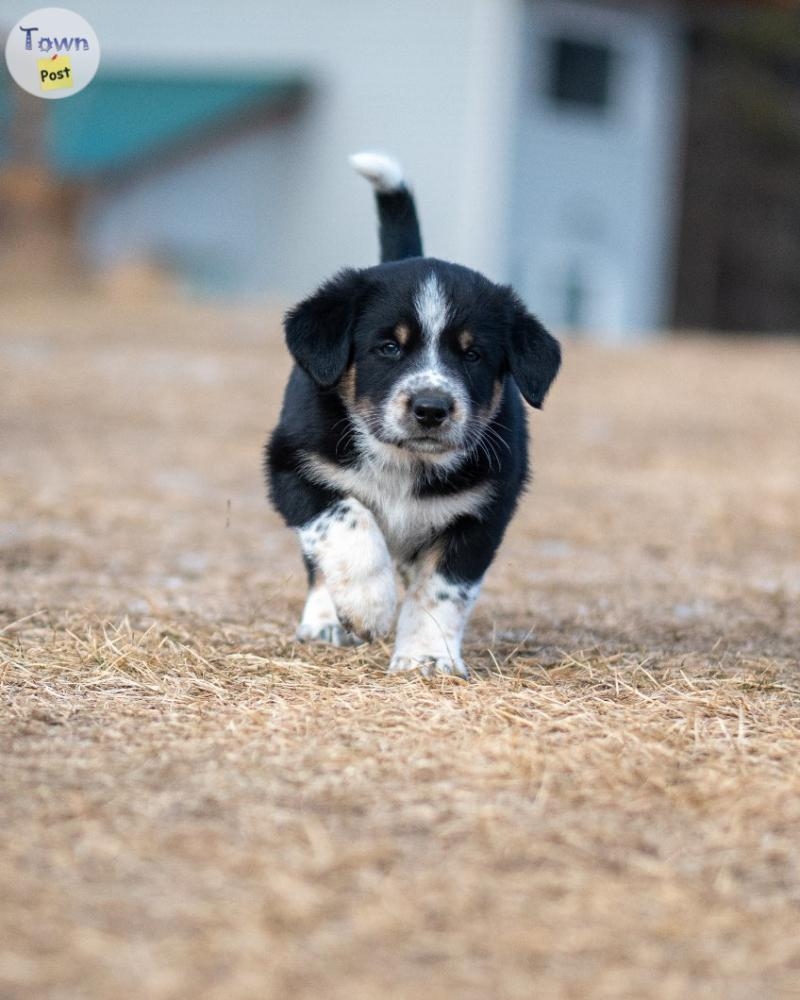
(430, 410)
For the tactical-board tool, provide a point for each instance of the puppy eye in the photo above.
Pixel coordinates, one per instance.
(472, 355)
(388, 349)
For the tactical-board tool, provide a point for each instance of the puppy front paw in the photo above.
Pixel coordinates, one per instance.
(346, 546)
(367, 606)
(428, 666)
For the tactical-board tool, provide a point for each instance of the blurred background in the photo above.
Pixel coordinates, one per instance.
(629, 167)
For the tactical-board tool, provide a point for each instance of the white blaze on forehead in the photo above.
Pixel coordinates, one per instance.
(432, 308)
(433, 312)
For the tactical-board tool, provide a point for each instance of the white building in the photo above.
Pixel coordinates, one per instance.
(541, 137)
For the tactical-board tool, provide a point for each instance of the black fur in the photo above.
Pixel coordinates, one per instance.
(399, 228)
(358, 338)
(319, 330)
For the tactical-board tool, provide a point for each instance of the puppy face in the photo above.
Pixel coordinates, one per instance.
(419, 351)
(426, 363)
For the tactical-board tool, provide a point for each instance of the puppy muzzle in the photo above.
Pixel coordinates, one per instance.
(430, 410)
(427, 419)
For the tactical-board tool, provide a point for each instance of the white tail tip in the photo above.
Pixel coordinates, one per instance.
(384, 173)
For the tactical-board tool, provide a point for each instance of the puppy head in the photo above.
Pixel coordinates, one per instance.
(419, 351)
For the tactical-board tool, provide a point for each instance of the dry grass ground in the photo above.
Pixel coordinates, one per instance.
(192, 805)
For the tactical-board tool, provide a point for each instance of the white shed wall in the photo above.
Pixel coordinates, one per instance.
(429, 81)
(596, 191)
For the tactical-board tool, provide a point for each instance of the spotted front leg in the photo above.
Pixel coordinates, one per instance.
(431, 624)
(345, 545)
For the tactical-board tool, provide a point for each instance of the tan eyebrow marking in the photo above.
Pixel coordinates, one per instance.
(402, 333)
(465, 340)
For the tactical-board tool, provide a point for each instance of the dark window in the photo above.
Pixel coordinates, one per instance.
(580, 73)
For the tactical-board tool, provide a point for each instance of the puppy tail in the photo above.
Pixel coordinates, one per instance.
(397, 215)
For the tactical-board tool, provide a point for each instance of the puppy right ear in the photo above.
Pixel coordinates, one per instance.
(319, 330)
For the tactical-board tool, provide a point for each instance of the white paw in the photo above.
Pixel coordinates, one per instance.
(429, 666)
(334, 635)
(320, 623)
(366, 606)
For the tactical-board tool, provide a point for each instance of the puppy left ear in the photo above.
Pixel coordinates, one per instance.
(534, 356)
(319, 330)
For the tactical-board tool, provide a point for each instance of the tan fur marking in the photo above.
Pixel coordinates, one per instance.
(398, 407)
(423, 567)
(402, 334)
(365, 408)
(487, 413)
(465, 340)
(347, 385)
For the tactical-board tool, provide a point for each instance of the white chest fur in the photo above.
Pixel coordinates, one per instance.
(388, 490)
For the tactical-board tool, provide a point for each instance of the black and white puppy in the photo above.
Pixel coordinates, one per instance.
(402, 440)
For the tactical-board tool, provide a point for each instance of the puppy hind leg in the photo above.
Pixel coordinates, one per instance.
(319, 622)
